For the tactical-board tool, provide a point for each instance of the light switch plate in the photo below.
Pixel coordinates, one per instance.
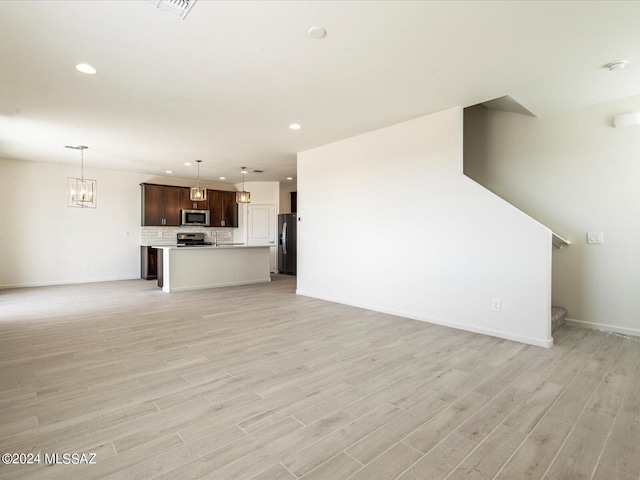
(595, 237)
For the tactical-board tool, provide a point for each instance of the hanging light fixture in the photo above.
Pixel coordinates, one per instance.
(243, 197)
(81, 192)
(198, 194)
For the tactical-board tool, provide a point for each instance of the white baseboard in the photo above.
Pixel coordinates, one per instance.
(67, 282)
(545, 343)
(603, 327)
(213, 285)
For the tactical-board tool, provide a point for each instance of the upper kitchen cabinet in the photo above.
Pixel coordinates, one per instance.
(229, 209)
(189, 204)
(215, 207)
(161, 205)
(223, 208)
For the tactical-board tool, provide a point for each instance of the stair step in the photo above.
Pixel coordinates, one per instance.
(558, 316)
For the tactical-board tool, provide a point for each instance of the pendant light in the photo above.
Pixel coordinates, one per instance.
(81, 192)
(198, 194)
(243, 197)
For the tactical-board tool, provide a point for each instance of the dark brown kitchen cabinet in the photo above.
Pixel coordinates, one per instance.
(189, 204)
(223, 208)
(160, 269)
(215, 207)
(229, 209)
(161, 205)
(149, 263)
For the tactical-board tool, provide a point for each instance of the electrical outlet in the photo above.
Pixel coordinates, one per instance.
(159, 233)
(85, 267)
(126, 234)
(496, 304)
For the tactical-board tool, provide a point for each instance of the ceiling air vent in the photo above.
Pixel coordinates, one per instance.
(257, 171)
(175, 7)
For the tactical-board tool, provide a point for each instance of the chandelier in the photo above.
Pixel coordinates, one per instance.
(243, 197)
(198, 194)
(81, 192)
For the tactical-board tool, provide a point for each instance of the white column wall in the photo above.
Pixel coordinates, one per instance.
(388, 222)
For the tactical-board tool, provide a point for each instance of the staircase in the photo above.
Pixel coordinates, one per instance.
(558, 315)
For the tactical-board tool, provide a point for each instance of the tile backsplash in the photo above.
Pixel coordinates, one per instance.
(167, 235)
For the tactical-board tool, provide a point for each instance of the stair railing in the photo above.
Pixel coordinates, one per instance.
(558, 241)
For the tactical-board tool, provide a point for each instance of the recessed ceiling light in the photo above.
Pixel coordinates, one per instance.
(86, 68)
(168, 171)
(289, 178)
(188, 164)
(222, 178)
(295, 126)
(317, 32)
(618, 65)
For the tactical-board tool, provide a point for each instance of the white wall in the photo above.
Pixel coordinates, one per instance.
(286, 188)
(575, 173)
(44, 242)
(455, 246)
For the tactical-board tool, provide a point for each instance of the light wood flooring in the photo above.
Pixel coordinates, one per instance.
(255, 382)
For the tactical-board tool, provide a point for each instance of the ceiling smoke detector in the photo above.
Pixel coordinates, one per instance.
(317, 32)
(175, 7)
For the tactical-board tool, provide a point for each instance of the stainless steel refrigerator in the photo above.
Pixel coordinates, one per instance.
(287, 233)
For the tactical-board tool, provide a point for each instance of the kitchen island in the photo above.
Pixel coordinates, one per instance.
(192, 268)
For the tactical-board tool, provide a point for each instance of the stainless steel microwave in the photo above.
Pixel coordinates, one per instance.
(195, 217)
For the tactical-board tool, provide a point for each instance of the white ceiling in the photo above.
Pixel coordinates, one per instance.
(224, 84)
